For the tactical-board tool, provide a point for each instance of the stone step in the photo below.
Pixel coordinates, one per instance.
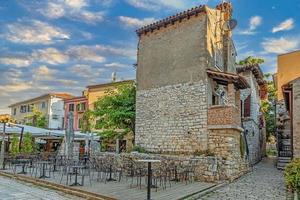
(284, 159)
(281, 165)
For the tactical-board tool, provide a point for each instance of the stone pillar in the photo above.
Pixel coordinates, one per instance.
(231, 94)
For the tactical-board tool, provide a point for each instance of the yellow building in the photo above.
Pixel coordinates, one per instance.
(95, 92)
(288, 69)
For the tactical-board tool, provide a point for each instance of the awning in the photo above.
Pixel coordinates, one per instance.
(43, 133)
(239, 81)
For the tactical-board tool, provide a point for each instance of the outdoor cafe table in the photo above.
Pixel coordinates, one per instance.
(76, 168)
(149, 176)
(44, 163)
(23, 162)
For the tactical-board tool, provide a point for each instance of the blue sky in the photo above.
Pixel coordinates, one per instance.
(65, 45)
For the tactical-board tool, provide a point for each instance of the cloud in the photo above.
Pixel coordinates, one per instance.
(34, 32)
(72, 9)
(85, 71)
(284, 26)
(280, 45)
(67, 83)
(16, 61)
(50, 56)
(115, 65)
(254, 22)
(43, 73)
(135, 22)
(160, 4)
(15, 87)
(85, 53)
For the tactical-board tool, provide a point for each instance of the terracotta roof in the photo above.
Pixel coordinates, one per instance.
(76, 98)
(59, 95)
(172, 19)
(256, 70)
(109, 84)
(239, 81)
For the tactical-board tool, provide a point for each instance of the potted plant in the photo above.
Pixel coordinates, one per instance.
(292, 177)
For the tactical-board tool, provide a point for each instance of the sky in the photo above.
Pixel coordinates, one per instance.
(65, 45)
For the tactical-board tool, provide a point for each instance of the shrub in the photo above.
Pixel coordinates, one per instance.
(14, 145)
(139, 149)
(27, 146)
(292, 175)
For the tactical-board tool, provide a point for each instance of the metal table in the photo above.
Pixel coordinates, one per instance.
(149, 185)
(43, 163)
(23, 162)
(76, 168)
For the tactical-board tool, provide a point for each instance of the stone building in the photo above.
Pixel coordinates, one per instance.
(287, 82)
(188, 91)
(252, 117)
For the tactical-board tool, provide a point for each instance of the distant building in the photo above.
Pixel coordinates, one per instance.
(51, 105)
(77, 105)
(95, 92)
(252, 118)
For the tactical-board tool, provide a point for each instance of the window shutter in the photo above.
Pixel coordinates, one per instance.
(247, 106)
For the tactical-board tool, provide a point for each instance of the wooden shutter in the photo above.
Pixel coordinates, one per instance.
(247, 106)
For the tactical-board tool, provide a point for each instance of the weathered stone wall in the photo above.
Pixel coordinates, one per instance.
(253, 135)
(253, 132)
(172, 55)
(172, 118)
(225, 143)
(296, 118)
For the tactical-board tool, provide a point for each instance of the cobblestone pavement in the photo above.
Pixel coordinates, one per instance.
(264, 183)
(14, 190)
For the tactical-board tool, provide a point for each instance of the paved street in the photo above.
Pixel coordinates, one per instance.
(11, 189)
(265, 183)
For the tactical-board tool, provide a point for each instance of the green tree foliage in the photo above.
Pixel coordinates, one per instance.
(116, 111)
(27, 146)
(87, 121)
(14, 145)
(251, 60)
(268, 106)
(292, 175)
(37, 118)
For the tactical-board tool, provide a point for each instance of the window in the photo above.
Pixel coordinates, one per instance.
(43, 104)
(23, 109)
(55, 117)
(30, 108)
(80, 107)
(219, 95)
(71, 107)
(15, 111)
(247, 106)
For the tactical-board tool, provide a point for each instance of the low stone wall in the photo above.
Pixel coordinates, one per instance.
(208, 168)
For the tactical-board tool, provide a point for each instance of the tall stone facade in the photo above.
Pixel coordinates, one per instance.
(187, 85)
(252, 118)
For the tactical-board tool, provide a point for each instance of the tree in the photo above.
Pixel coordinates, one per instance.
(37, 118)
(6, 119)
(251, 60)
(27, 146)
(116, 111)
(14, 145)
(268, 106)
(87, 119)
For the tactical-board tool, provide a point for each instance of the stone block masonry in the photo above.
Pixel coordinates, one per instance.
(172, 118)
